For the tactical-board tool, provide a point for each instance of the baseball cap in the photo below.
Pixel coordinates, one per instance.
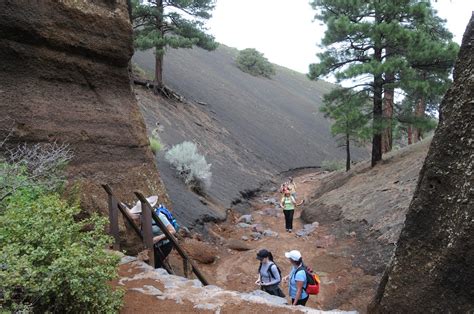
(294, 255)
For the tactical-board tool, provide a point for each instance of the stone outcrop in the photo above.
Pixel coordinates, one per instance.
(64, 77)
(153, 290)
(432, 270)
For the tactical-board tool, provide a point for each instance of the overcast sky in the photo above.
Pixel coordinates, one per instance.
(284, 31)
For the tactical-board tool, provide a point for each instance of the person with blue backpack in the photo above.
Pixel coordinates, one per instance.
(269, 275)
(162, 246)
(297, 279)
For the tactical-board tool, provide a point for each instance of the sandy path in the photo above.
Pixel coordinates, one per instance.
(343, 286)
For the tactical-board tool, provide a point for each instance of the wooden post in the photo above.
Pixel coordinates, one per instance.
(113, 221)
(147, 230)
(124, 212)
(170, 237)
(185, 268)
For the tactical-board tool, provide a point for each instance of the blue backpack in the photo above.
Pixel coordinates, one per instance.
(162, 209)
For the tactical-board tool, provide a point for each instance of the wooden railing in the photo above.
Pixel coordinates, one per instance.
(145, 233)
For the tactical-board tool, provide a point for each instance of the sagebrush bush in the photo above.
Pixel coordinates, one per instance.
(333, 165)
(190, 165)
(49, 263)
(155, 144)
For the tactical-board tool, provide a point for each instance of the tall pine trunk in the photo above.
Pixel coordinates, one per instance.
(410, 134)
(387, 138)
(159, 51)
(419, 114)
(158, 71)
(377, 113)
(348, 153)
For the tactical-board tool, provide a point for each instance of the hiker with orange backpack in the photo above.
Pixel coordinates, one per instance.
(269, 275)
(302, 281)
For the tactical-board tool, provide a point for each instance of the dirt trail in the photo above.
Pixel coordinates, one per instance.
(329, 250)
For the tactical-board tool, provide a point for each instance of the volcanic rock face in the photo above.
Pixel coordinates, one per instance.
(433, 265)
(64, 78)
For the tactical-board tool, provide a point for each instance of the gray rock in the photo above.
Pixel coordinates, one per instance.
(270, 233)
(245, 219)
(245, 238)
(307, 229)
(256, 235)
(270, 200)
(243, 225)
(127, 259)
(258, 294)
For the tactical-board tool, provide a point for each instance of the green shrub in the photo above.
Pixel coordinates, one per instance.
(154, 144)
(333, 165)
(253, 62)
(49, 262)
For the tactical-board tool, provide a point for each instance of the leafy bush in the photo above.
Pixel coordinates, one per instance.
(190, 165)
(253, 62)
(154, 144)
(333, 165)
(49, 263)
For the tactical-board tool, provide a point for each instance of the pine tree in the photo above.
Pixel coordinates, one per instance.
(351, 114)
(365, 42)
(431, 58)
(160, 24)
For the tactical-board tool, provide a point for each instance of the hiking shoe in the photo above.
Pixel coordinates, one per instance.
(289, 230)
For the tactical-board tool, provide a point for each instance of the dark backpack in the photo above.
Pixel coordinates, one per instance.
(162, 209)
(270, 273)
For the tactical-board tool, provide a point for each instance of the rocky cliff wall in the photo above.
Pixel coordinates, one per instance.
(64, 78)
(432, 270)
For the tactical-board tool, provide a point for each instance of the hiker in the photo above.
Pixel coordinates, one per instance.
(292, 187)
(297, 279)
(269, 275)
(288, 204)
(161, 245)
(283, 187)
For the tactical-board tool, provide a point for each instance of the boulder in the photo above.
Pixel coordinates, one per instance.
(243, 225)
(270, 233)
(238, 245)
(245, 219)
(432, 269)
(200, 251)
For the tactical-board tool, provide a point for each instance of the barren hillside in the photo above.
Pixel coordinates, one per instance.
(249, 128)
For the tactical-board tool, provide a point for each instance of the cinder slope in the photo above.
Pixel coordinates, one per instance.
(249, 128)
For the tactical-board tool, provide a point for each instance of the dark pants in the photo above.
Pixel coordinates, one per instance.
(273, 290)
(161, 252)
(300, 301)
(288, 218)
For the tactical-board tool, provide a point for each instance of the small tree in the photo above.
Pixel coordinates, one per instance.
(253, 62)
(160, 24)
(351, 115)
